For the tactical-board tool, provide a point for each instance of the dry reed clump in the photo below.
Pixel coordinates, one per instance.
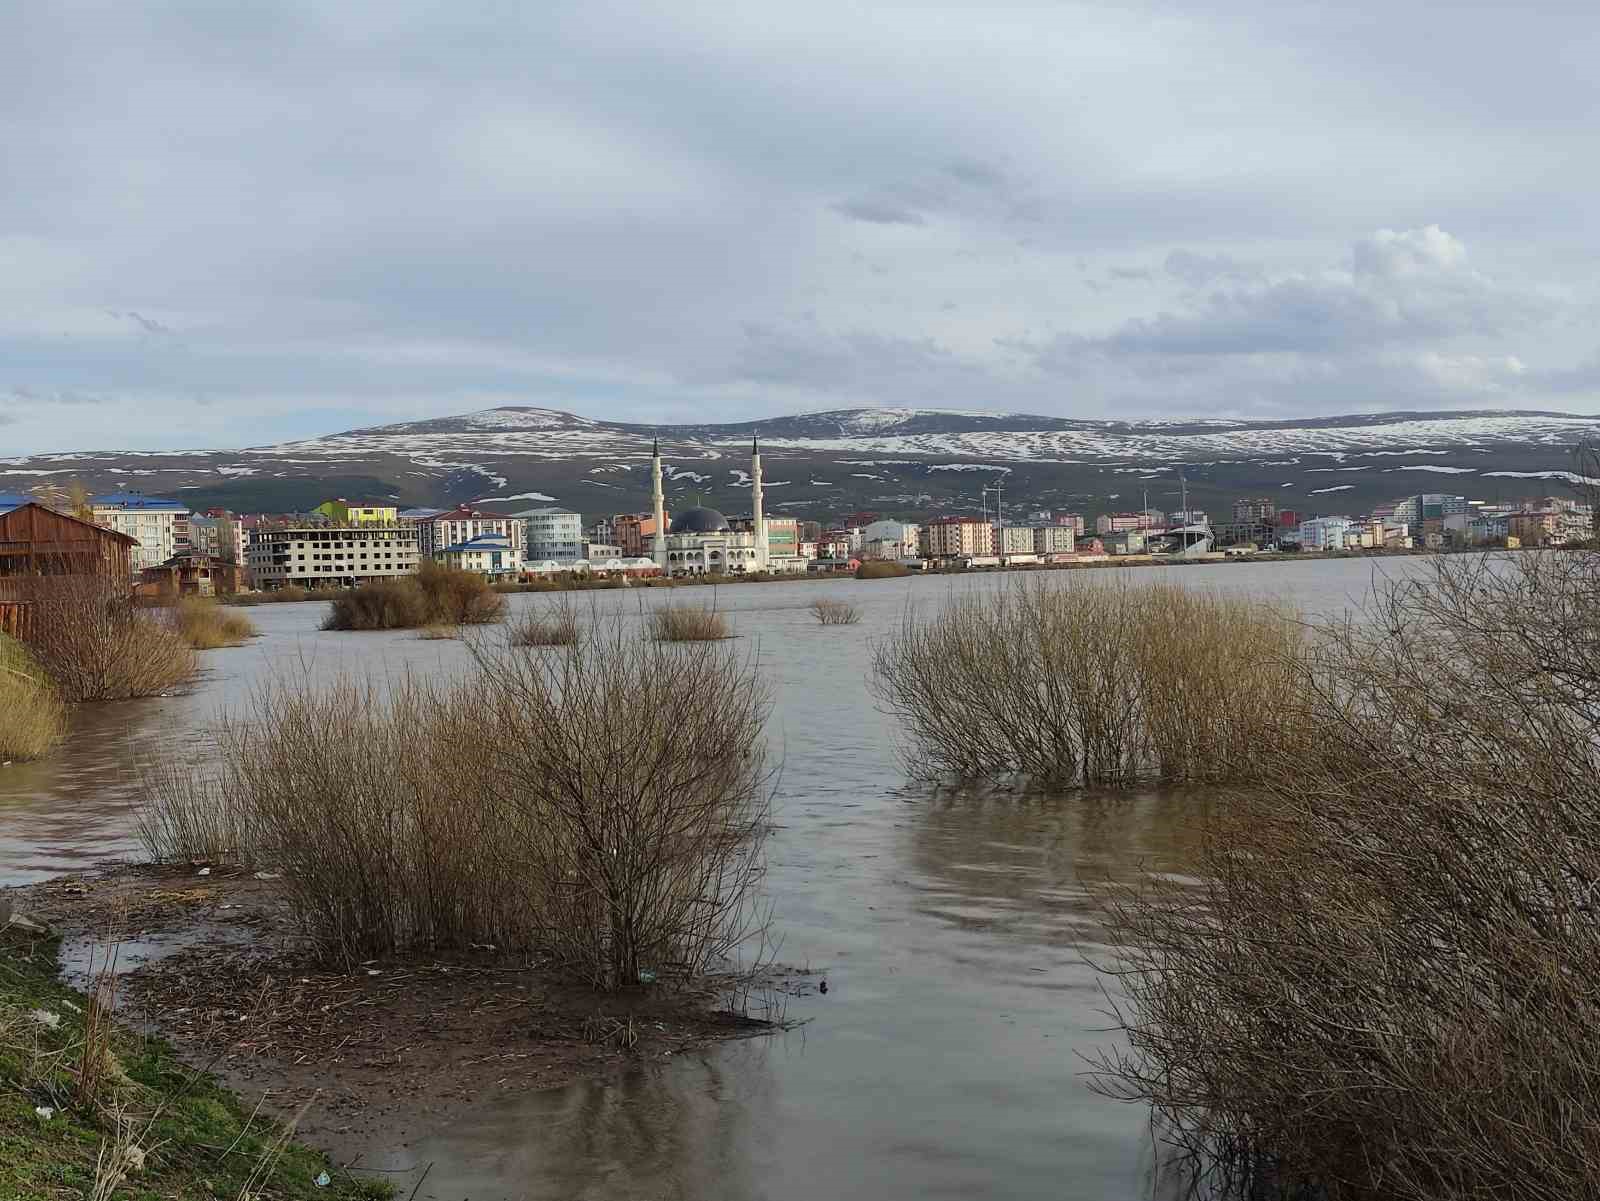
(206, 625)
(830, 611)
(87, 635)
(1090, 682)
(687, 623)
(540, 805)
(553, 626)
(1383, 986)
(880, 570)
(436, 595)
(32, 716)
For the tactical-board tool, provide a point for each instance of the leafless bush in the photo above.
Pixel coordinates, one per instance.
(1384, 985)
(32, 716)
(88, 637)
(830, 611)
(687, 623)
(1089, 682)
(556, 625)
(540, 805)
(436, 595)
(206, 625)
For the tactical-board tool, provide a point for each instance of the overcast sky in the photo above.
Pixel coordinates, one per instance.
(229, 223)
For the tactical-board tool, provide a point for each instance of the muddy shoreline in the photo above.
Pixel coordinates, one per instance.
(385, 1050)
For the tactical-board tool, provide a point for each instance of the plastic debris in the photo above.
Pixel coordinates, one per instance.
(204, 871)
(45, 1018)
(269, 875)
(45, 1112)
(646, 976)
(323, 1180)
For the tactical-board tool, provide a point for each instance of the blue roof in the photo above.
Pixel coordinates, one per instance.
(12, 500)
(135, 500)
(481, 542)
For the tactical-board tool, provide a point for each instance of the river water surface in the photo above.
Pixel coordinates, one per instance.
(947, 1058)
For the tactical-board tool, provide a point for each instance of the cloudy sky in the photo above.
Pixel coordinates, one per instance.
(226, 224)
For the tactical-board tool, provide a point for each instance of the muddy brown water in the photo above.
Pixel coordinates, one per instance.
(947, 1058)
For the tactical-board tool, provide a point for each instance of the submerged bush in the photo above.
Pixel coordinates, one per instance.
(32, 716)
(1383, 987)
(206, 625)
(687, 623)
(89, 637)
(830, 611)
(556, 625)
(434, 596)
(878, 569)
(541, 805)
(1074, 681)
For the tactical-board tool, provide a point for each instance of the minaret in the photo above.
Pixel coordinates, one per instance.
(659, 549)
(758, 522)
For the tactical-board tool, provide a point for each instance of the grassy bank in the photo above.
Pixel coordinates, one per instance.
(122, 1105)
(434, 596)
(32, 716)
(205, 625)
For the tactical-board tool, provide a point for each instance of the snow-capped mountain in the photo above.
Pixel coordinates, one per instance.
(901, 460)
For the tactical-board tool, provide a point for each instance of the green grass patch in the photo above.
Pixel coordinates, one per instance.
(196, 1139)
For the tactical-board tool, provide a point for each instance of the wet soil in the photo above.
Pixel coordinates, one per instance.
(383, 1050)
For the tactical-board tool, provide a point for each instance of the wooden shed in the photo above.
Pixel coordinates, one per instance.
(38, 541)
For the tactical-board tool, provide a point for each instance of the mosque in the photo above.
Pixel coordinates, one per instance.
(701, 541)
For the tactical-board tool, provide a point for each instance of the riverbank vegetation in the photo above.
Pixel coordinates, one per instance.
(556, 625)
(1382, 984)
(205, 625)
(1075, 680)
(96, 645)
(90, 1110)
(434, 596)
(603, 808)
(881, 570)
(32, 716)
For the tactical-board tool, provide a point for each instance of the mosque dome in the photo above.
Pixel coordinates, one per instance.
(699, 521)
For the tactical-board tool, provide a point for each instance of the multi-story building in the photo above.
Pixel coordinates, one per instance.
(1016, 540)
(953, 537)
(1191, 517)
(491, 555)
(161, 526)
(347, 512)
(1121, 523)
(1255, 508)
(1054, 540)
(552, 534)
(219, 535)
(451, 527)
(1428, 505)
(1254, 532)
(1074, 521)
(635, 532)
(321, 556)
(1325, 533)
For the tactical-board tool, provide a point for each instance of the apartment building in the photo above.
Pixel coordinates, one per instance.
(219, 535)
(1121, 523)
(317, 556)
(160, 526)
(552, 534)
(451, 527)
(347, 512)
(1016, 540)
(1255, 508)
(490, 555)
(1054, 540)
(635, 533)
(1326, 533)
(953, 537)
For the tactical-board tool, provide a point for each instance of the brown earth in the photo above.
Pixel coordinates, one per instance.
(387, 1048)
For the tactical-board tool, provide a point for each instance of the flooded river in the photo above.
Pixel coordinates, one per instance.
(947, 1057)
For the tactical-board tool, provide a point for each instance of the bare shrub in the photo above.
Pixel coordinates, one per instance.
(540, 805)
(687, 623)
(881, 570)
(553, 626)
(32, 716)
(206, 625)
(1087, 682)
(436, 595)
(1383, 986)
(830, 611)
(88, 637)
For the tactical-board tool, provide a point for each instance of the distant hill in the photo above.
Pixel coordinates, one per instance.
(908, 462)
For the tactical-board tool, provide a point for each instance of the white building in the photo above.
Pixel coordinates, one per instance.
(700, 541)
(330, 556)
(161, 526)
(1054, 540)
(1016, 540)
(451, 527)
(491, 555)
(552, 533)
(1326, 533)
